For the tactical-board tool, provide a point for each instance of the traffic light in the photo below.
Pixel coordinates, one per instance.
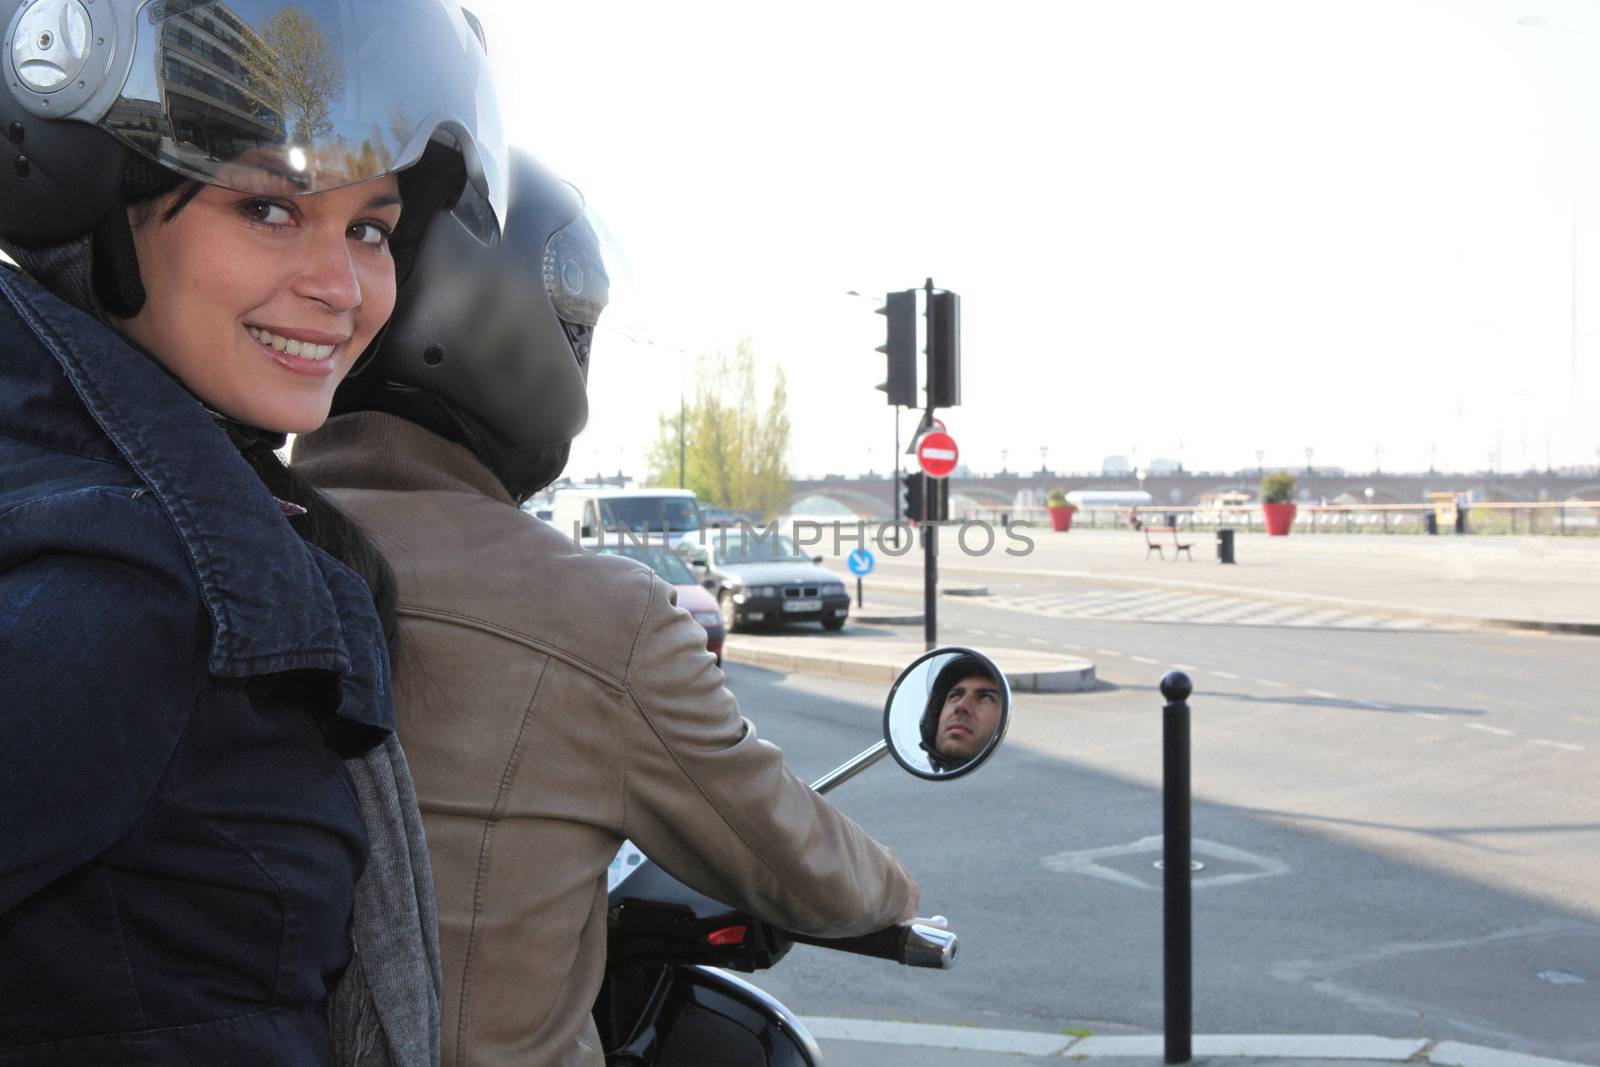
(901, 348)
(911, 508)
(913, 502)
(944, 350)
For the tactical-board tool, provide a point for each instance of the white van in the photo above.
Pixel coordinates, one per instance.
(589, 512)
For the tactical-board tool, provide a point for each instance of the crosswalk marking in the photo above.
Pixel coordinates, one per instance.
(1144, 605)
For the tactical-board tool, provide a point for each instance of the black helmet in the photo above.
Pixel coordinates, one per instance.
(962, 666)
(104, 102)
(489, 347)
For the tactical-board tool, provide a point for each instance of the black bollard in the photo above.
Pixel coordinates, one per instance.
(1177, 912)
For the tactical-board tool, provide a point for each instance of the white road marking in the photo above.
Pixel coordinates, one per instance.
(1227, 675)
(1106, 652)
(1037, 641)
(1562, 745)
(1431, 715)
(1497, 731)
(980, 633)
(1323, 694)
(1270, 683)
(1143, 659)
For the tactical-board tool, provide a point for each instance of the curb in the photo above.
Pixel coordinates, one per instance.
(1074, 676)
(1148, 1047)
(889, 620)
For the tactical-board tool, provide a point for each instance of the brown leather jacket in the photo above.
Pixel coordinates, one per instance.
(552, 703)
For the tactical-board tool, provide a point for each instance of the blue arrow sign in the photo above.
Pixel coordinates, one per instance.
(861, 563)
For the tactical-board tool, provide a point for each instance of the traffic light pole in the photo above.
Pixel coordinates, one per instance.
(894, 486)
(930, 528)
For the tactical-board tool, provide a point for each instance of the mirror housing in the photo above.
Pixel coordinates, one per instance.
(947, 713)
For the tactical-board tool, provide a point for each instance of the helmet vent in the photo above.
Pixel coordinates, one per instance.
(434, 355)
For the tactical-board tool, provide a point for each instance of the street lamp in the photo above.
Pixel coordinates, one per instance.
(1044, 452)
(1309, 451)
(1261, 458)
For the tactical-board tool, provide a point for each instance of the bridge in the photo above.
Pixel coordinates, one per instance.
(872, 496)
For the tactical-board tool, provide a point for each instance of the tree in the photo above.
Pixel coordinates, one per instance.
(734, 456)
(293, 73)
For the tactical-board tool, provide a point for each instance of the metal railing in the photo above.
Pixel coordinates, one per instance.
(1554, 518)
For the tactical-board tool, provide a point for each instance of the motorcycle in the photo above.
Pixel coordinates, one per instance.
(669, 998)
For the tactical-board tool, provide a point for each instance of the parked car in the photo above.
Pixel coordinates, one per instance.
(762, 578)
(692, 597)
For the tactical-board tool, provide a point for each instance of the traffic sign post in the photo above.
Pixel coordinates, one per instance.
(861, 563)
(938, 455)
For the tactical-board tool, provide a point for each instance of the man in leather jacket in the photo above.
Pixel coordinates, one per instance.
(553, 701)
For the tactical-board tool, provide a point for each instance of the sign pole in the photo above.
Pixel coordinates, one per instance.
(859, 603)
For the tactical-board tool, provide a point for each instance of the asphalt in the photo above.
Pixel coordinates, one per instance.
(1549, 584)
(1542, 584)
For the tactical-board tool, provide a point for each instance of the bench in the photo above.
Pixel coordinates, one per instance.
(1178, 547)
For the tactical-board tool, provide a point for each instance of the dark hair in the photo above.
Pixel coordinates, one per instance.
(323, 524)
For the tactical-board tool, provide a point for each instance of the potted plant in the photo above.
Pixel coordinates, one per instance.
(1061, 510)
(1277, 502)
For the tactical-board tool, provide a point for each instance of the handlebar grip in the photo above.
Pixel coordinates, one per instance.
(912, 944)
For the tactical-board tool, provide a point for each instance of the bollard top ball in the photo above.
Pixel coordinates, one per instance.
(1176, 687)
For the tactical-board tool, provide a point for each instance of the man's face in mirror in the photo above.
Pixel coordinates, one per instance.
(968, 719)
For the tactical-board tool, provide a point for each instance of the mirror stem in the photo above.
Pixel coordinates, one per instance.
(846, 771)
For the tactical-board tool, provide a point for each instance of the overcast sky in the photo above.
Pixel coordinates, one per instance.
(1185, 229)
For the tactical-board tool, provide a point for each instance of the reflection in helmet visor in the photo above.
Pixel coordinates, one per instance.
(299, 96)
(574, 273)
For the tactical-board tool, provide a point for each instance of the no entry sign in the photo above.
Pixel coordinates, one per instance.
(936, 452)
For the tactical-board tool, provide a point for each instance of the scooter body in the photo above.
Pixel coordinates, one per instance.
(669, 998)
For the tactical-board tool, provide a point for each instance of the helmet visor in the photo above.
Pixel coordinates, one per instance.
(575, 273)
(288, 97)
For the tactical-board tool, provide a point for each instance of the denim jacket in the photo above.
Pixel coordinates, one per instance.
(180, 677)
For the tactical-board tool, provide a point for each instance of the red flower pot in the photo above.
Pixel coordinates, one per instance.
(1061, 519)
(1279, 518)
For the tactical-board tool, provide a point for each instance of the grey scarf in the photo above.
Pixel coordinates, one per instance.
(385, 1010)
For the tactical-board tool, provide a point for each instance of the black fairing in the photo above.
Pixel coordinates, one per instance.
(654, 918)
(666, 1016)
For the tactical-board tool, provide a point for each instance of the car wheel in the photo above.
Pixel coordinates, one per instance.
(833, 624)
(730, 619)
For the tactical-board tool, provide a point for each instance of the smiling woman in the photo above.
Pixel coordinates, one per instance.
(261, 306)
(197, 739)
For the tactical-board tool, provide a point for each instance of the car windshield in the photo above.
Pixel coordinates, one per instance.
(775, 549)
(640, 514)
(669, 567)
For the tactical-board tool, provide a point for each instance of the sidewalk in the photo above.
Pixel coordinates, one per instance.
(848, 1043)
(1541, 583)
(875, 656)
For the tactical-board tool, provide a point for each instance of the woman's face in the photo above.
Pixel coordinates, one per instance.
(261, 304)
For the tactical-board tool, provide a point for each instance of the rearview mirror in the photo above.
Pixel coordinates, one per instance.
(947, 713)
